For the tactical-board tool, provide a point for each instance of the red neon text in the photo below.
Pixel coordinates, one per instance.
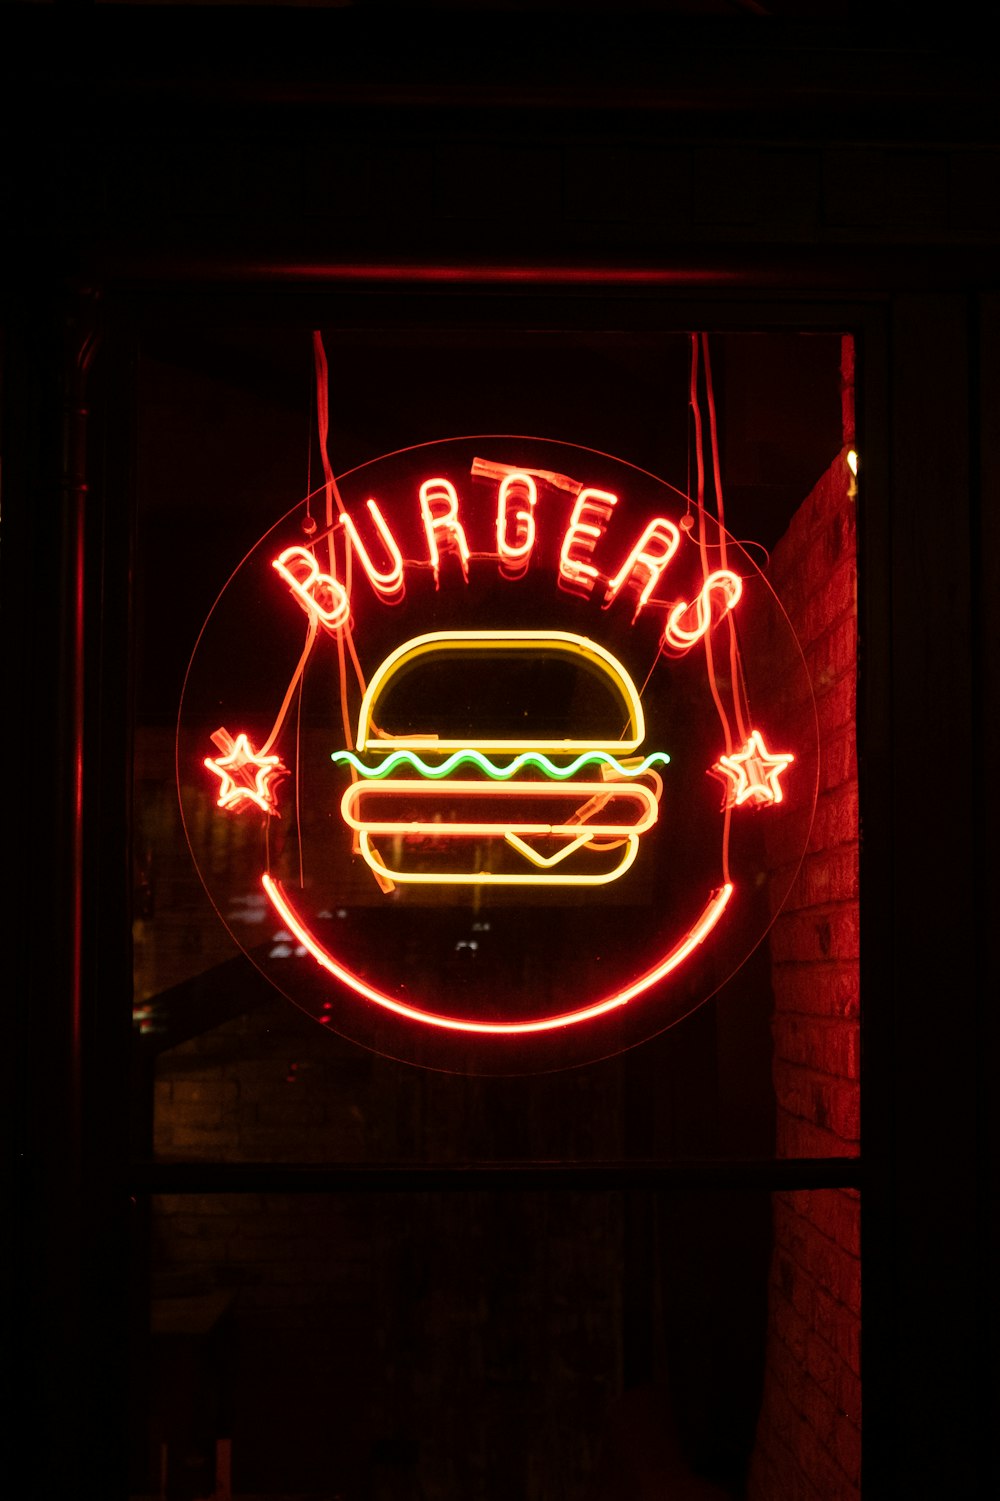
(687, 623)
(515, 523)
(587, 525)
(320, 596)
(439, 508)
(651, 553)
(641, 575)
(388, 586)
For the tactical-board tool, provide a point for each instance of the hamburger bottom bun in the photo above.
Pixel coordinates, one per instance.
(466, 832)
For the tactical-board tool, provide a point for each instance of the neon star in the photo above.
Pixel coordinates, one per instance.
(751, 775)
(247, 779)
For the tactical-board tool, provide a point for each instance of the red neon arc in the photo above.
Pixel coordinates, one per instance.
(676, 956)
(322, 597)
(687, 623)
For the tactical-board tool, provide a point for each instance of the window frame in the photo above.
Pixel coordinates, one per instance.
(75, 1124)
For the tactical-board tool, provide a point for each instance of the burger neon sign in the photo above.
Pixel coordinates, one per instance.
(326, 600)
(417, 600)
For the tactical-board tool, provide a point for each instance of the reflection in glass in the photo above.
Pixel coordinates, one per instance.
(536, 1345)
(220, 1044)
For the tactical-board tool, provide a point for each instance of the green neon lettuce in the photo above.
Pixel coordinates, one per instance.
(498, 773)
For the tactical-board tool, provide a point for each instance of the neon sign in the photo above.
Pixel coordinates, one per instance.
(687, 623)
(587, 525)
(660, 533)
(752, 773)
(439, 508)
(388, 584)
(573, 815)
(516, 696)
(516, 533)
(320, 595)
(677, 955)
(248, 779)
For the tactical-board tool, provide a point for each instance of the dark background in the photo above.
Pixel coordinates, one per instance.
(750, 169)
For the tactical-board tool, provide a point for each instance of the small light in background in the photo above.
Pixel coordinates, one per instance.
(852, 461)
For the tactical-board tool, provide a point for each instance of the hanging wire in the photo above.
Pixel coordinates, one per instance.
(706, 569)
(735, 662)
(332, 498)
(295, 682)
(703, 541)
(309, 520)
(345, 638)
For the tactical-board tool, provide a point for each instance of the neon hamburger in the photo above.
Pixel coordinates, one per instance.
(471, 809)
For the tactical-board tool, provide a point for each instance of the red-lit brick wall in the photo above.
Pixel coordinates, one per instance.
(808, 1440)
(814, 942)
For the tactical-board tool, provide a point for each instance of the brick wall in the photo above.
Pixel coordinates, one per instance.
(808, 1440)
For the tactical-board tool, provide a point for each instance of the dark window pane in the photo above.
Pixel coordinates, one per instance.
(486, 1345)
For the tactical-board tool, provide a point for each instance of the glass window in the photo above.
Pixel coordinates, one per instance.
(227, 445)
(443, 1274)
(532, 1343)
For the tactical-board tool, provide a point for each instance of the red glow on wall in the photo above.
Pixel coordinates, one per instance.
(461, 785)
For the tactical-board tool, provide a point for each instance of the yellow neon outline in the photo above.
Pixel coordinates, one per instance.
(573, 829)
(501, 791)
(723, 579)
(546, 862)
(568, 641)
(496, 878)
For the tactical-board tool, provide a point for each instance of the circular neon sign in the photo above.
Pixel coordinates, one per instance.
(477, 754)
